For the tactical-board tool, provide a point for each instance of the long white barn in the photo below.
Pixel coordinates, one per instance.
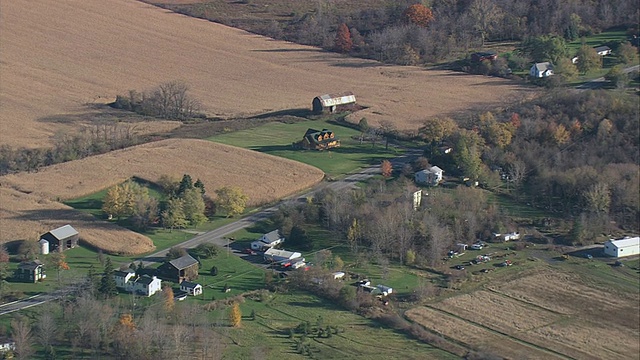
(623, 247)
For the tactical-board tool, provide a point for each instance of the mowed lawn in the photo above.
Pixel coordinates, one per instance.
(277, 138)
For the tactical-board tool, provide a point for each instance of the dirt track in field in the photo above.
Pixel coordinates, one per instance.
(264, 178)
(59, 55)
(550, 311)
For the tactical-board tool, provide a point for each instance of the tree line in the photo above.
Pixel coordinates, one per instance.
(91, 140)
(410, 33)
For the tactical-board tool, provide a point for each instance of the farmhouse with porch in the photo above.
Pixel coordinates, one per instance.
(62, 238)
(268, 240)
(180, 269)
(145, 285)
(318, 140)
(332, 102)
(30, 271)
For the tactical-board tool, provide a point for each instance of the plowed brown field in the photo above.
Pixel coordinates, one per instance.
(59, 55)
(262, 177)
(547, 315)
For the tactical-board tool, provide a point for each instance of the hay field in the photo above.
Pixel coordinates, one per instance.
(26, 216)
(60, 55)
(549, 310)
(29, 199)
(262, 177)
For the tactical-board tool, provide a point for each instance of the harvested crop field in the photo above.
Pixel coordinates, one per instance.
(549, 311)
(262, 177)
(60, 55)
(29, 198)
(26, 216)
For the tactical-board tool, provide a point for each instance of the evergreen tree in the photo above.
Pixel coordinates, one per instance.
(107, 286)
(185, 184)
(199, 185)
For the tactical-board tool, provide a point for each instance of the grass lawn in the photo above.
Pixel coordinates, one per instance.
(356, 337)
(276, 138)
(596, 40)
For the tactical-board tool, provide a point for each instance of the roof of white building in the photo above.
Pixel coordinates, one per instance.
(626, 242)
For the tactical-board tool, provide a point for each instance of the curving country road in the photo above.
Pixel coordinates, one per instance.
(218, 236)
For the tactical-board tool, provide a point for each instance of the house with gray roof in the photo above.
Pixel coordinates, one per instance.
(541, 70)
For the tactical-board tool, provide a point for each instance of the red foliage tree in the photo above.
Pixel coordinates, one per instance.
(386, 168)
(418, 14)
(343, 43)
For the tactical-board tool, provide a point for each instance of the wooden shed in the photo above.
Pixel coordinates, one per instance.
(62, 238)
(332, 102)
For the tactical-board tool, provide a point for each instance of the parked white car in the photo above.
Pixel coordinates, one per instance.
(476, 247)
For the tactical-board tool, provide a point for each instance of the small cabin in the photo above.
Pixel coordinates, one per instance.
(332, 102)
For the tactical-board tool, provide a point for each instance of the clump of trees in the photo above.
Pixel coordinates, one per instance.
(169, 100)
(97, 139)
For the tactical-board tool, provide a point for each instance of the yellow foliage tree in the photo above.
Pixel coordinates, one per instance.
(231, 200)
(169, 302)
(235, 315)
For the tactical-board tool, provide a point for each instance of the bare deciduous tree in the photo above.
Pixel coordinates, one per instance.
(23, 337)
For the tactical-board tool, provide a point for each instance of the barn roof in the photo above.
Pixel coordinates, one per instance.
(544, 66)
(626, 242)
(63, 232)
(183, 262)
(328, 100)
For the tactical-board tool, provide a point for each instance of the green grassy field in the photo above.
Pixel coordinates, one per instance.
(357, 337)
(276, 138)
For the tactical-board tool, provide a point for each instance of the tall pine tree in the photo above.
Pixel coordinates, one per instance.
(107, 286)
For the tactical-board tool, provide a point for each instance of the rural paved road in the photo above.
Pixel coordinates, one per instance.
(218, 236)
(600, 82)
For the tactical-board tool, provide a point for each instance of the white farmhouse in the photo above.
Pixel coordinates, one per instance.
(541, 70)
(268, 241)
(431, 176)
(624, 247)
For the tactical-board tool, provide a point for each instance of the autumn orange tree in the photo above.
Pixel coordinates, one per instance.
(386, 168)
(343, 41)
(418, 14)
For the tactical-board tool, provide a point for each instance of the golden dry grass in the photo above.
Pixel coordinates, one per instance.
(262, 177)
(29, 199)
(26, 216)
(551, 309)
(59, 55)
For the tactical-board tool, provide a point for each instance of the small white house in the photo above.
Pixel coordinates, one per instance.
(338, 275)
(384, 290)
(268, 240)
(624, 247)
(146, 285)
(507, 237)
(191, 288)
(541, 70)
(431, 176)
(122, 278)
(603, 50)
